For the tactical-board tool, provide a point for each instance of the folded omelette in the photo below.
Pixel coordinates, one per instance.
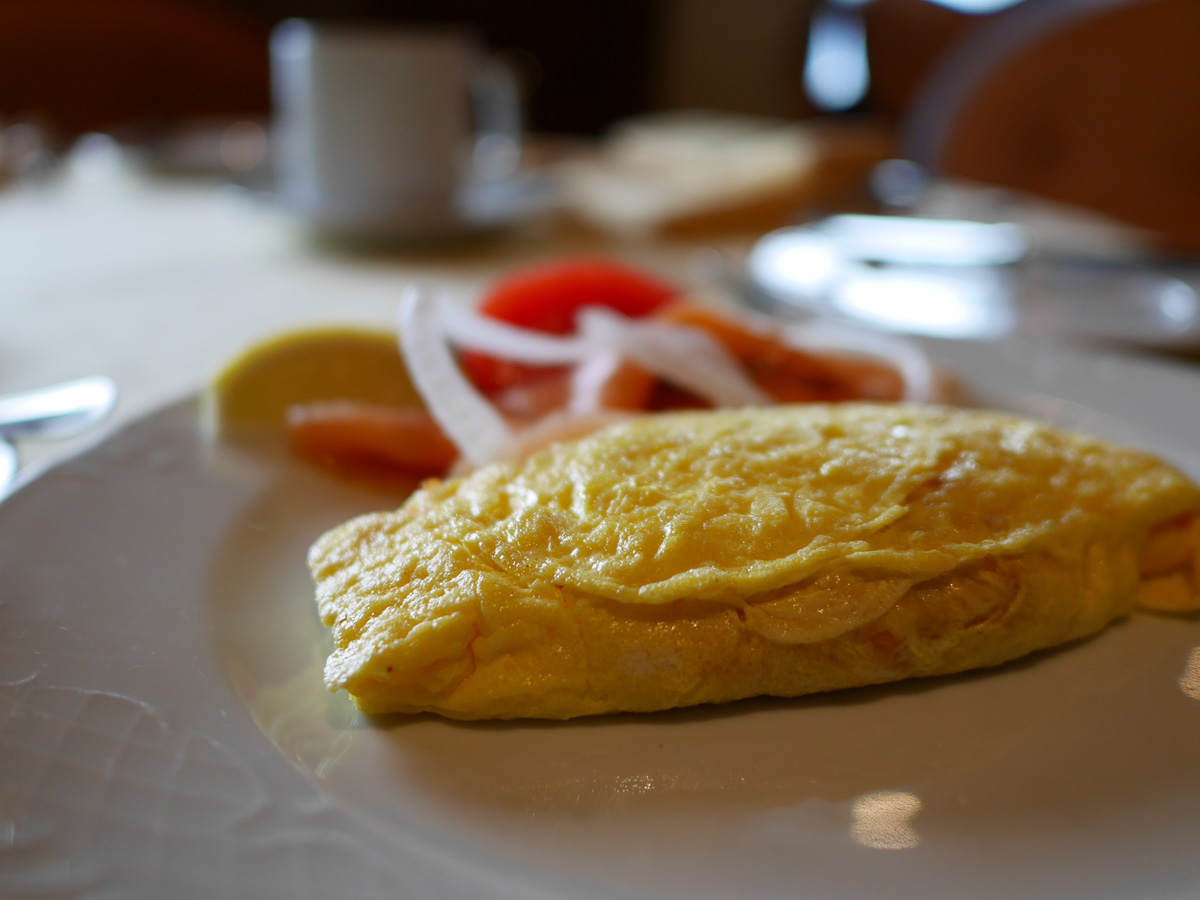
(703, 557)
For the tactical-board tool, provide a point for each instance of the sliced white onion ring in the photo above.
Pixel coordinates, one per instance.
(588, 380)
(465, 415)
(686, 357)
(475, 332)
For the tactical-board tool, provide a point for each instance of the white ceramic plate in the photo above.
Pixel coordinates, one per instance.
(164, 731)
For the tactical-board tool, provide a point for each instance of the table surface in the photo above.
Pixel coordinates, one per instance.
(157, 282)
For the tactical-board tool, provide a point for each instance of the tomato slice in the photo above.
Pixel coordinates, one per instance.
(549, 297)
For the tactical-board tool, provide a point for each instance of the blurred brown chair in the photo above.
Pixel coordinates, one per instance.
(89, 65)
(905, 40)
(1089, 102)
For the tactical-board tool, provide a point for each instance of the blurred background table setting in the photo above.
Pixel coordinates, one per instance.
(182, 177)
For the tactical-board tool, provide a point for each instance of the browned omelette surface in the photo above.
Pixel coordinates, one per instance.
(703, 557)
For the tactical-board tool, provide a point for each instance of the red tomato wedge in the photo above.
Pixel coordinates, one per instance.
(548, 298)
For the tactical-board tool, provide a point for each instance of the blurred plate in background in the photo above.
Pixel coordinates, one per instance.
(969, 280)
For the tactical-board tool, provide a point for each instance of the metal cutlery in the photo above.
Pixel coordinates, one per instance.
(61, 411)
(8, 466)
(56, 412)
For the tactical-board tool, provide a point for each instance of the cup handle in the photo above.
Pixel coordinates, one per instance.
(496, 104)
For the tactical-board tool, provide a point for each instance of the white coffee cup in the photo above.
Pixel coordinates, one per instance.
(387, 132)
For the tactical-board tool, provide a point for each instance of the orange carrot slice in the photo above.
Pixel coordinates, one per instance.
(370, 441)
(788, 374)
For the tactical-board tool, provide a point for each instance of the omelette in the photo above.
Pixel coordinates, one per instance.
(703, 557)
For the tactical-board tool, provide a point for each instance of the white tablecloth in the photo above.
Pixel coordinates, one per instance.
(158, 282)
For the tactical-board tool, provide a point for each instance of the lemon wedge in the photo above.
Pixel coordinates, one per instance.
(254, 392)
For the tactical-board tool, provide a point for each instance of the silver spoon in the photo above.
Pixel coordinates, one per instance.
(8, 466)
(60, 411)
